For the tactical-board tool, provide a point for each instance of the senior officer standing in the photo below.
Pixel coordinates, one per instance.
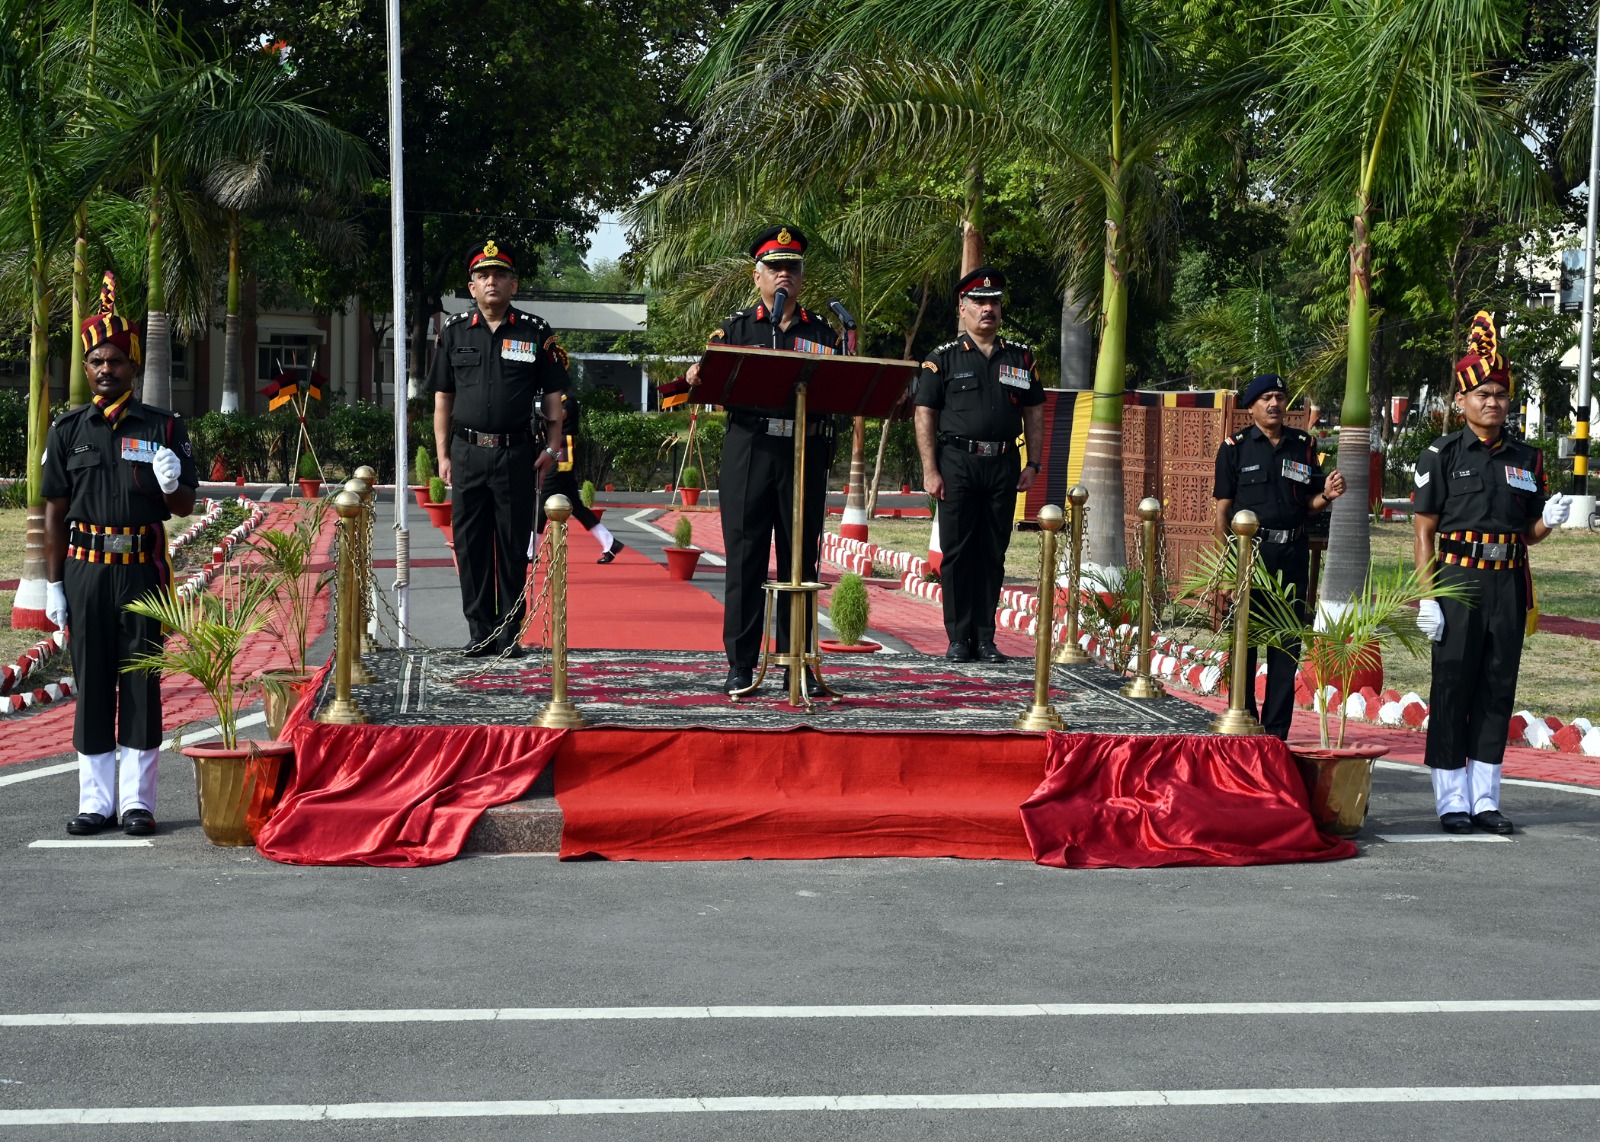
(1480, 500)
(114, 471)
(756, 484)
(974, 396)
(495, 368)
(1273, 471)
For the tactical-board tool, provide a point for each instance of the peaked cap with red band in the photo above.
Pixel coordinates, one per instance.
(983, 283)
(489, 255)
(779, 244)
(109, 326)
(1483, 363)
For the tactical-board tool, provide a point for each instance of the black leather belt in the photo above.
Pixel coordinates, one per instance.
(493, 439)
(1484, 552)
(1281, 535)
(978, 447)
(114, 540)
(777, 425)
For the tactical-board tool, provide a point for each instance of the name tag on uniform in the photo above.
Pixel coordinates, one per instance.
(1296, 471)
(1252, 468)
(1521, 478)
(524, 351)
(1015, 377)
(801, 345)
(139, 451)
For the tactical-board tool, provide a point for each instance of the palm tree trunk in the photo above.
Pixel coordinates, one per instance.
(157, 387)
(1077, 343)
(1102, 460)
(972, 222)
(77, 381)
(853, 524)
(231, 365)
(888, 422)
(27, 612)
(1349, 539)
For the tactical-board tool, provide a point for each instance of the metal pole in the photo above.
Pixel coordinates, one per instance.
(1580, 413)
(1070, 653)
(1142, 684)
(1041, 715)
(344, 710)
(1236, 719)
(397, 272)
(560, 714)
(359, 674)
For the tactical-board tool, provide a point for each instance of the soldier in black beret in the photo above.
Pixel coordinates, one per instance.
(496, 371)
(974, 397)
(1273, 470)
(756, 484)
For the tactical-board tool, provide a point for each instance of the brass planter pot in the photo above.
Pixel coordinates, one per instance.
(281, 691)
(239, 789)
(1338, 783)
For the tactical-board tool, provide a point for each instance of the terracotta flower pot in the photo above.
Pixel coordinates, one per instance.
(239, 789)
(691, 496)
(421, 492)
(681, 561)
(310, 489)
(598, 512)
(439, 514)
(865, 646)
(1338, 782)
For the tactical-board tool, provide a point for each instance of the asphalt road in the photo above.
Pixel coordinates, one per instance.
(182, 927)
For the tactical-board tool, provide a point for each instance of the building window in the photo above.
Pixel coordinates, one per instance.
(286, 353)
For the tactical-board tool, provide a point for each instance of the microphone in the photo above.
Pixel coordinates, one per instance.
(780, 300)
(841, 313)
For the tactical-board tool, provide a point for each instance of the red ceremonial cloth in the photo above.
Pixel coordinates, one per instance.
(1146, 802)
(400, 798)
(796, 795)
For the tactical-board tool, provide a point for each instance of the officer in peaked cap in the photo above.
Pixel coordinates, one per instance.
(756, 483)
(114, 471)
(974, 396)
(497, 371)
(1480, 504)
(1272, 470)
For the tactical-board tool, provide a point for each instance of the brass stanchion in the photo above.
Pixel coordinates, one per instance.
(1070, 653)
(359, 674)
(1236, 719)
(367, 475)
(345, 710)
(1041, 715)
(560, 714)
(1142, 685)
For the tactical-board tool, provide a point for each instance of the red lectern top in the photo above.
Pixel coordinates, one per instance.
(765, 378)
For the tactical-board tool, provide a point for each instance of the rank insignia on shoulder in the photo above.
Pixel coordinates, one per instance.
(1422, 478)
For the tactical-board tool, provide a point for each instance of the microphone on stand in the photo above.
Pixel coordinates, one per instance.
(780, 300)
(847, 321)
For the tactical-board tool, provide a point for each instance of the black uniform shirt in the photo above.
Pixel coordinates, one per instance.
(497, 376)
(1473, 486)
(980, 398)
(754, 327)
(1276, 482)
(105, 473)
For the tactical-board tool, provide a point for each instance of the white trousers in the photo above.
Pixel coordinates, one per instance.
(1474, 788)
(125, 771)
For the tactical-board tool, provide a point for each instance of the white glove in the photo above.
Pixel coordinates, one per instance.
(1430, 619)
(167, 468)
(55, 604)
(1556, 510)
(533, 545)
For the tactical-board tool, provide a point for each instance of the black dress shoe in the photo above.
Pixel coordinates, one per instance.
(1491, 821)
(1455, 823)
(515, 650)
(989, 652)
(960, 651)
(138, 822)
(738, 679)
(611, 552)
(811, 688)
(88, 824)
(478, 650)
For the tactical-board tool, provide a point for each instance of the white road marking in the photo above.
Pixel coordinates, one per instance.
(256, 719)
(1421, 838)
(637, 518)
(1531, 783)
(47, 771)
(864, 1011)
(545, 1108)
(87, 843)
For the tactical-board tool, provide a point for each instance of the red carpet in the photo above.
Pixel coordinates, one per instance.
(714, 795)
(632, 603)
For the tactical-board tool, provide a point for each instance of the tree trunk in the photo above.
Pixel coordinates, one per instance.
(232, 366)
(157, 390)
(972, 223)
(1077, 344)
(888, 422)
(77, 380)
(1102, 461)
(1349, 538)
(27, 611)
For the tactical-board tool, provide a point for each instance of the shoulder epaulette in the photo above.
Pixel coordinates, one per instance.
(947, 345)
(524, 315)
(455, 317)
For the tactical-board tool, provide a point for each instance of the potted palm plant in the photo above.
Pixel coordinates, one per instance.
(287, 554)
(238, 782)
(310, 476)
(850, 611)
(438, 506)
(683, 556)
(689, 485)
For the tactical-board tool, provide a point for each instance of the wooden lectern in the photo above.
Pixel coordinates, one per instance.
(773, 378)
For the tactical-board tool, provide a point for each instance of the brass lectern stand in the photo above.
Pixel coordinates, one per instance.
(809, 383)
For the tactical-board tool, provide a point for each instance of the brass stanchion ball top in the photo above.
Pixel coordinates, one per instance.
(347, 504)
(1051, 517)
(368, 473)
(1149, 508)
(357, 488)
(1078, 494)
(1246, 523)
(558, 508)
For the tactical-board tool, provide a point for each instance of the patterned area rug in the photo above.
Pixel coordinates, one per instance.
(681, 689)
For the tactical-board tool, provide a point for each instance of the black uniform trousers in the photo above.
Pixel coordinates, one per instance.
(494, 491)
(975, 516)
(756, 498)
(559, 483)
(1475, 666)
(1293, 561)
(113, 708)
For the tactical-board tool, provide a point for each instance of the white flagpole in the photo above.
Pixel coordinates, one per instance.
(397, 269)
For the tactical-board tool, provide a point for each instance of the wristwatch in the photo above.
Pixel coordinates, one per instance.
(552, 451)
(1034, 464)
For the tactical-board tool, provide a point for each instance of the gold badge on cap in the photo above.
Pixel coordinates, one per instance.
(784, 237)
(987, 283)
(490, 249)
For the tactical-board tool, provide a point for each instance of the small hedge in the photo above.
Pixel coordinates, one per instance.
(261, 446)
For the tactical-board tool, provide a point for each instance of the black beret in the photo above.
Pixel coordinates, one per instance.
(1260, 387)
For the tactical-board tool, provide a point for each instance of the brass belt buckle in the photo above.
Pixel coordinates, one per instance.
(777, 426)
(1495, 551)
(118, 544)
(987, 448)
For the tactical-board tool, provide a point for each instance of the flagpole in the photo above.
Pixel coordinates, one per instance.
(397, 270)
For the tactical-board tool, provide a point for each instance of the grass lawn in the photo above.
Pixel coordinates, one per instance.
(13, 531)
